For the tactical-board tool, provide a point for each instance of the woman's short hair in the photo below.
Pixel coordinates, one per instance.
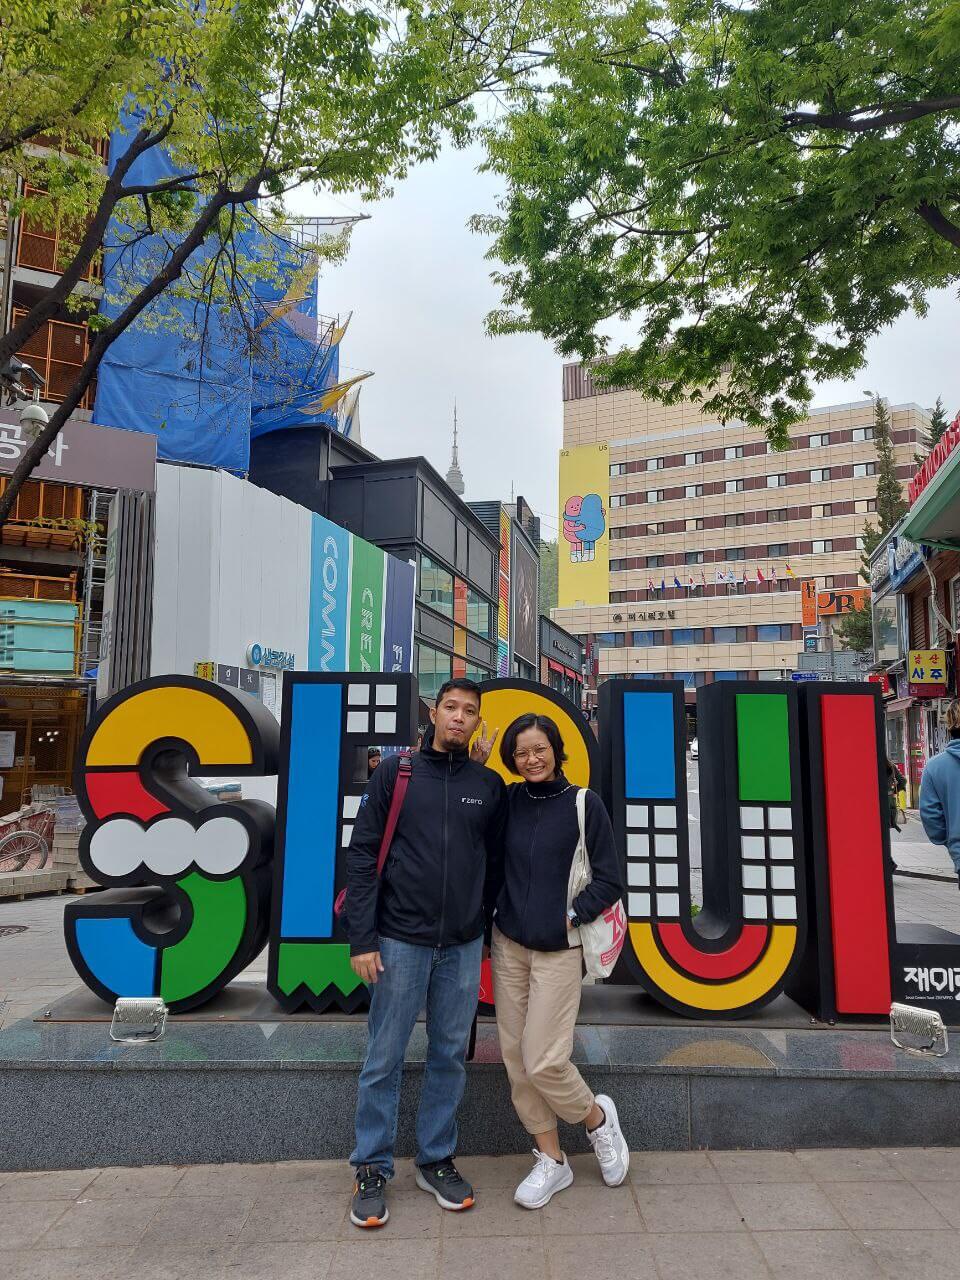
(508, 744)
(953, 716)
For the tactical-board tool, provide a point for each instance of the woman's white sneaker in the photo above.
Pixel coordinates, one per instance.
(609, 1144)
(545, 1179)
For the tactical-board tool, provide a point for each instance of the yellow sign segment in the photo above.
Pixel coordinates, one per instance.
(584, 542)
(927, 666)
(500, 707)
(200, 719)
(737, 993)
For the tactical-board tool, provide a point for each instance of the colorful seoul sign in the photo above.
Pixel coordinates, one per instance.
(797, 889)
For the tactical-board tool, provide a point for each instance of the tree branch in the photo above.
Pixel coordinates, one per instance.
(54, 298)
(170, 272)
(941, 224)
(856, 122)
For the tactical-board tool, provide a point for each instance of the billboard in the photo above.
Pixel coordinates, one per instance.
(525, 592)
(584, 558)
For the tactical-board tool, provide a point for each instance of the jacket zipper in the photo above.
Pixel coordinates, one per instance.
(533, 841)
(443, 852)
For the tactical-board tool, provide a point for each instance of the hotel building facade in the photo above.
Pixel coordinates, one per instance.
(738, 525)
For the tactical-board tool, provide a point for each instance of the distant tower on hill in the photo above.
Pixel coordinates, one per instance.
(455, 475)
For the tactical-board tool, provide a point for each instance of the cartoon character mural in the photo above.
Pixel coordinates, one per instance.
(584, 524)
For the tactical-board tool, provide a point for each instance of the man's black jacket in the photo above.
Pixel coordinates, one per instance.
(443, 872)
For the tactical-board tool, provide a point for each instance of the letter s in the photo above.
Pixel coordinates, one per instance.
(189, 877)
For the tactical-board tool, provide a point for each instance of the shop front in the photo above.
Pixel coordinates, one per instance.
(562, 660)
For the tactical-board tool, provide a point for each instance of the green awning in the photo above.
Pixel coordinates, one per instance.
(935, 516)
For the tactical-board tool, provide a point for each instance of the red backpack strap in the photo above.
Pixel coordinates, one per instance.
(400, 785)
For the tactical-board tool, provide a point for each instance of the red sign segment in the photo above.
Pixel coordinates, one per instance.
(112, 794)
(858, 901)
(938, 455)
(715, 965)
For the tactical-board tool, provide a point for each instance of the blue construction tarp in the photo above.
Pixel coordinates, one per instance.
(204, 379)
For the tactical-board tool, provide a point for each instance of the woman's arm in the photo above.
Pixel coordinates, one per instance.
(606, 884)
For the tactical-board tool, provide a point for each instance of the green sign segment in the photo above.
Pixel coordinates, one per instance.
(367, 576)
(317, 966)
(216, 931)
(763, 747)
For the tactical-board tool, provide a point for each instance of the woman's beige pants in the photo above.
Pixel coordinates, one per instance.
(537, 996)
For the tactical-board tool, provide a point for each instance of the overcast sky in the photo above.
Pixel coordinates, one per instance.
(418, 283)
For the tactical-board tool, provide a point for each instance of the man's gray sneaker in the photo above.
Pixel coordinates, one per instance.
(443, 1180)
(369, 1206)
(609, 1144)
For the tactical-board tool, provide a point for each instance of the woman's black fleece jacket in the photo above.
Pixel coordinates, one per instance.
(540, 840)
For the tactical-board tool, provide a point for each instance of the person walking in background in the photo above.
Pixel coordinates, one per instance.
(895, 784)
(940, 792)
(416, 935)
(536, 956)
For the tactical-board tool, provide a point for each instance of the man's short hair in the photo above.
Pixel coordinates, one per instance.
(461, 682)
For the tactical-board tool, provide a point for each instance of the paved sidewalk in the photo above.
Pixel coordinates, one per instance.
(812, 1215)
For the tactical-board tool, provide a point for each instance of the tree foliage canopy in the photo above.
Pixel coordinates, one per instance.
(759, 186)
(248, 99)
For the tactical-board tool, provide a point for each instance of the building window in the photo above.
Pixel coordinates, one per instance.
(647, 639)
(687, 635)
(828, 582)
(692, 526)
(656, 562)
(618, 468)
(654, 495)
(733, 486)
(618, 499)
(433, 669)
(734, 521)
(861, 469)
(729, 635)
(776, 482)
(436, 586)
(693, 557)
(818, 476)
(732, 451)
(617, 566)
(769, 631)
(692, 459)
(655, 529)
(611, 639)
(860, 542)
(729, 675)
(617, 534)
(693, 491)
(691, 679)
(654, 464)
(735, 553)
(777, 674)
(479, 615)
(784, 585)
(777, 549)
(819, 442)
(822, 545)
(823, 509)
(865, 505)
(862, 433)
(777, 516)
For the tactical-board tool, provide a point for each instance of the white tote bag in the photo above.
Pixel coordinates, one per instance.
(602, 939)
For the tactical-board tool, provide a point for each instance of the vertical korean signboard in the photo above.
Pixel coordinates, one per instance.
(584, 556)
(329, 595)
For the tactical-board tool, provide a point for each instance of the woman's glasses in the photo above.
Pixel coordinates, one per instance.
(534, 753)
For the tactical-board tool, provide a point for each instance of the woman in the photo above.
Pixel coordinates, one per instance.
(940, 791)
(536, 957)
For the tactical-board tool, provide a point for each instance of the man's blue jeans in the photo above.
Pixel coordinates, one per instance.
(445, 981)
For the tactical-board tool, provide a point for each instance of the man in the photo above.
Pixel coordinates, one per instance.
(940, 791)
(417, 937)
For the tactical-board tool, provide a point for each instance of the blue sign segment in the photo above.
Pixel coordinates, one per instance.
(803, 676)
(329, 596)
(311, 836)
(398, 616)
(649, 746)
(116, 956)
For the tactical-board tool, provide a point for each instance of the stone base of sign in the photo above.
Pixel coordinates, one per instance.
(221, 1092)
